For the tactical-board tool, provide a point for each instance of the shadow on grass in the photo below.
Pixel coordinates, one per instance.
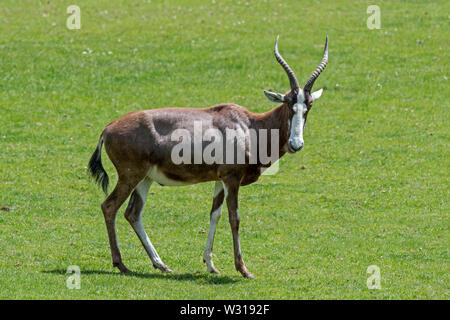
(193, 276)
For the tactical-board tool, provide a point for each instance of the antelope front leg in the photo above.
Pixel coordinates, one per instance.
(216, 212)
(231, 191)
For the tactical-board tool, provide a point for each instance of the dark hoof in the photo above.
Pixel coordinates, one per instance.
(248, 276)
(121, 267)
(214, 271)
(164, 268)
(126, 271)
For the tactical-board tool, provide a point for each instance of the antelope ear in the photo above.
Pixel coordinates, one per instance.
(275, 97)
(316, 95)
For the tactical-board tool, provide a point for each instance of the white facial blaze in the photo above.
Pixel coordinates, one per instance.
(296, 137)
(296, 134)
(297, 123)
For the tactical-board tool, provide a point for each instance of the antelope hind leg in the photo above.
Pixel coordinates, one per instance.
(216, 212)
(133, 214)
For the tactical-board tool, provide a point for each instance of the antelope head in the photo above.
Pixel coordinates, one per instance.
(298, 100)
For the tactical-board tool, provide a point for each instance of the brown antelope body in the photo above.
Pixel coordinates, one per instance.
(141, 144)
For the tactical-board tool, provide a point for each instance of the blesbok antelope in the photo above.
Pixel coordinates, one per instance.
(140, 145)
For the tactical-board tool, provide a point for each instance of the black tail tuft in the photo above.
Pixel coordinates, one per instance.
(95, 168)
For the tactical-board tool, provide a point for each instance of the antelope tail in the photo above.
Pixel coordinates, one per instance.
(95, 167)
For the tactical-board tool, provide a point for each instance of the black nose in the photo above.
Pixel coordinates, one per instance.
(293, 149)
(299, 148)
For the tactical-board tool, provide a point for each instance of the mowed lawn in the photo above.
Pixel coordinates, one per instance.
(374, 186)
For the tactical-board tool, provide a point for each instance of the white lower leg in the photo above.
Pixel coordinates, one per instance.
(207, 255)
(215, 217)
(142, 190)
(151, 251)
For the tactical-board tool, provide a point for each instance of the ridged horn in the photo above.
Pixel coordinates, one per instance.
(292, 79)
(318, 71)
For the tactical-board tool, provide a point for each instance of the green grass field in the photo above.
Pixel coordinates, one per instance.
(375, 187)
